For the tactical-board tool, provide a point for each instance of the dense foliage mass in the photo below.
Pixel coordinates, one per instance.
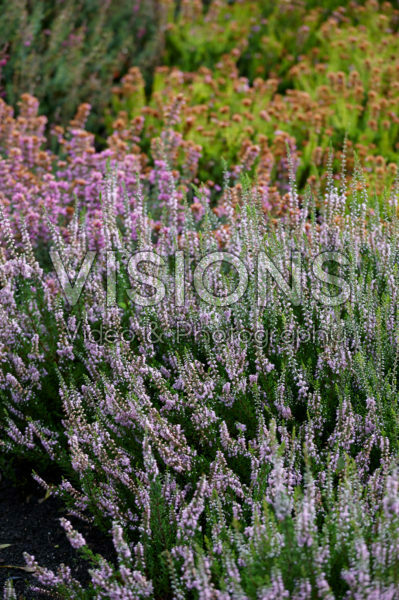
(240, 450)
(71, 51)
(199, 308)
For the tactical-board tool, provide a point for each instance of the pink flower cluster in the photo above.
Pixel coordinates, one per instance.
(222, 467)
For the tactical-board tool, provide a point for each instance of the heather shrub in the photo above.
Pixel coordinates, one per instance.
(66, 53)
(341, 80)
(42, 186)
(233, 450)
(266, 39)
(199, 324)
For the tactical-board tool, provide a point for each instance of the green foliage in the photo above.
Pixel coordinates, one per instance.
(66, 53)
(245, 79)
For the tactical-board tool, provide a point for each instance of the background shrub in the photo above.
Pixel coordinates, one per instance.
(68, 52)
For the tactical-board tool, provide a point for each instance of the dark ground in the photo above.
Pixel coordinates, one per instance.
(32, 526)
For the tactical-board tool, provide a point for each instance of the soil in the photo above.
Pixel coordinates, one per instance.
(31, 525)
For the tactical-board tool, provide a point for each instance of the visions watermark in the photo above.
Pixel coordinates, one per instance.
(265, 269)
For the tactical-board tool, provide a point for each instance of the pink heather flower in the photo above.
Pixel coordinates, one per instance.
(75, 538)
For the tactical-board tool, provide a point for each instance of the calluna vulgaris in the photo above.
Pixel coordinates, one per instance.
(246, 447)
(225, 463)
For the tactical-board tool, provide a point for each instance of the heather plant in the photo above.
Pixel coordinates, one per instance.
(199, 325)
(265, 38)
(67, 52)
(42, 187)
(233, 449)
(340, 80)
